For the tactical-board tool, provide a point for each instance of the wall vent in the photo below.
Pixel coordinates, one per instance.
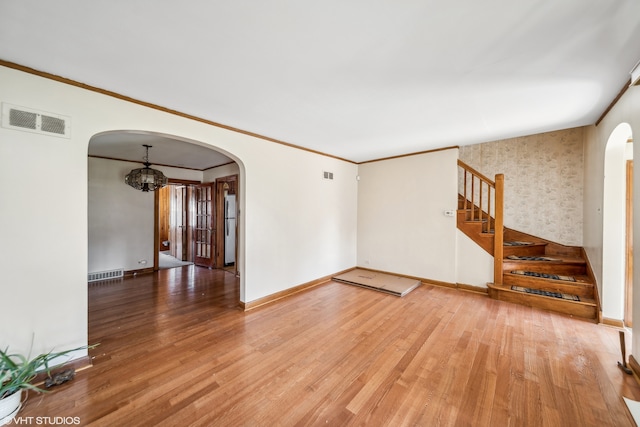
(328, 175)
(30, 120)
(104, 275)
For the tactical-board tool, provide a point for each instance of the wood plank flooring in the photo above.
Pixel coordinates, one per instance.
(175, 351)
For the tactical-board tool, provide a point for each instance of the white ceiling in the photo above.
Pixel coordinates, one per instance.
(164, 150)
(355, 79)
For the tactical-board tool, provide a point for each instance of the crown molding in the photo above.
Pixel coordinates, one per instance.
(116, 95)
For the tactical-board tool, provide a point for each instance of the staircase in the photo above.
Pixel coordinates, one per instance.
(528, 270)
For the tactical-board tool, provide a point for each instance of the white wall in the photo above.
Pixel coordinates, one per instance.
(43, 223)
(401, 223)
(296, 227)
(474, 266)
(120, 218)
(626, 110)
(614, 223)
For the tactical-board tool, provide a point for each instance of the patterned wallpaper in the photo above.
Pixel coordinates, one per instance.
(543, 181)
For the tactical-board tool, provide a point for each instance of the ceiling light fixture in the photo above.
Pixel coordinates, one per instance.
(146, 179)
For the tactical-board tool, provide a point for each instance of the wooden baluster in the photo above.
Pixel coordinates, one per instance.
(498, 241)
(489, 208)
(473, 198)
(496, 207)
(465, 190)
(480, 204)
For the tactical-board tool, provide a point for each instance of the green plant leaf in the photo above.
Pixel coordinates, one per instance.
(18, 371)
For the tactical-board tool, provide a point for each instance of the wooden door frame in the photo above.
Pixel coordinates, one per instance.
(156, 221)
(628, 288)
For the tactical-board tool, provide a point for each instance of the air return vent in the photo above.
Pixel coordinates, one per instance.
(104, 275)
(30, 120)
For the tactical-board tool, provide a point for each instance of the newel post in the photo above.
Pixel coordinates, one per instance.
(498, 243)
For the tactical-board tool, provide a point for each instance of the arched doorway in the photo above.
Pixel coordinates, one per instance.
(122, 230)
(617, 226)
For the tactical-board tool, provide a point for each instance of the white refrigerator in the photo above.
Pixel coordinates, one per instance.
(230, 229)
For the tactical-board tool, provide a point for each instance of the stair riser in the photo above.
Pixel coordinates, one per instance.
(481, 225)
(568, 252)
(474, 232)
(551, 248)
(561, 269)
(532, 250)
(580, 289)
(546, 303)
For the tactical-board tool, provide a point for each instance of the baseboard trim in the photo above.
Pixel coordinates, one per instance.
(635, 368)
(246, 306)
(440, 284)
(131, 273)
(79, 364)
(592, 279)
(460, 286)
(612, 322)
(472, 288)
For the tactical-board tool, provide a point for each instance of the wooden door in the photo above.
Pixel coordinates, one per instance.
(204, 233)
(164, 214)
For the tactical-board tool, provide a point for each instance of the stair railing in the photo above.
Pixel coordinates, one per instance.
(483, 199)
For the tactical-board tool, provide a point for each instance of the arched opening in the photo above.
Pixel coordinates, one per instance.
(123, 222)
(616, 233)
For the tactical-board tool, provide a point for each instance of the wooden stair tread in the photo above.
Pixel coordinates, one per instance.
(551, 260)
(485, 235)
(581, 282)
(530, 245)
(582, 287)
(580, 278)
(516, 243)
(507, 288)
(525, 249)
(586, 308)
(568, 267)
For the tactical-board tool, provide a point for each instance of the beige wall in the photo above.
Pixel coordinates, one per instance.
(474, 266)
(626, 110)
(401, 223)
(543, 181)
(295, 226)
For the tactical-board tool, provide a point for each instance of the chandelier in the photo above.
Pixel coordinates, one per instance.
(146, 179)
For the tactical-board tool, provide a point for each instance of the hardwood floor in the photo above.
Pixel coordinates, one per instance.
(175, 350)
